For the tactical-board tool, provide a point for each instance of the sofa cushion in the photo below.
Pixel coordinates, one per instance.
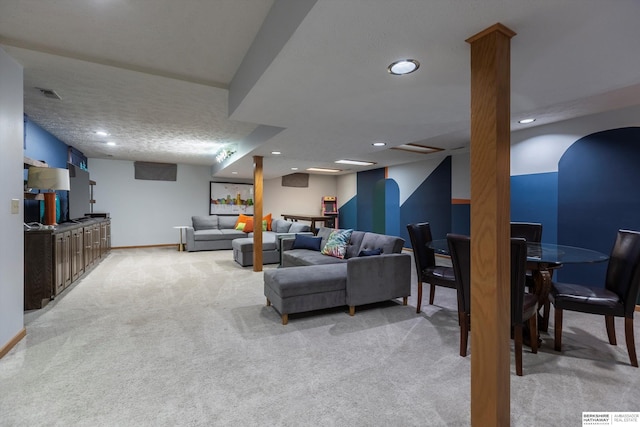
(324, 233)
(280, 225)
(336, 245)
(388, 244)
(304, 241)
(299, 257)
(227, 221)
(353, 248)
(296, 227)
(201, 235)
(287, 283)
(230, 234)
(205, 222)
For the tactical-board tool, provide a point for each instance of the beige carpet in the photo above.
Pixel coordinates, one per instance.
(155, 337)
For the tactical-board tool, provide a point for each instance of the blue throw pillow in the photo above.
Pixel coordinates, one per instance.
(371, 252)
(305, 241)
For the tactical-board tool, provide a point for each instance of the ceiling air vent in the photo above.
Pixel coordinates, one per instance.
(49, 93)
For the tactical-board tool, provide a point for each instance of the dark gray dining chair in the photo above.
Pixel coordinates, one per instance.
(524, 306)
(426, 268)
(616, 299)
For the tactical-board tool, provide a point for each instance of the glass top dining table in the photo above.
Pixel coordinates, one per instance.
(547, 253)
(542, 259)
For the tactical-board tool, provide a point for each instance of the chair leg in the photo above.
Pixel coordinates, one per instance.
(631, 342)
(268, 303)
(546, 309)
(432, 293)
(611, 329)
(517, 338)
(405, 300)
(533, 333)
(464, 333)
(557, 345)
(419, 303)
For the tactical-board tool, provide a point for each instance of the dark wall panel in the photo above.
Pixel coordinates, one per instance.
(347, 214)
(598, 193)
(430, 202)
(365, 187)
(534, 198)
(461, 218)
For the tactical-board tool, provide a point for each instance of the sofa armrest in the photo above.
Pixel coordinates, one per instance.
(190, 244)
(286, 242)
(378, 278)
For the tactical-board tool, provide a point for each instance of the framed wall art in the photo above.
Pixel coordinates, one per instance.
(230, 198)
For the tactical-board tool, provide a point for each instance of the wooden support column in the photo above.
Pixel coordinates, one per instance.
(490, 232)
(257, 213)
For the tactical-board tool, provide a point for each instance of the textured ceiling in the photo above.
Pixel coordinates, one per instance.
(308, 77)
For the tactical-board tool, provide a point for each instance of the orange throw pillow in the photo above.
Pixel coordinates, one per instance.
(268, 219)
(242, 218)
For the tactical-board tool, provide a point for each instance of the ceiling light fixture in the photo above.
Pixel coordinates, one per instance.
(111, 143)
(324, 170)
(526, 121)
(276, 152)
(416, 148)
(294, 169)
(404, 66)
(379, 144)
(101, 133)
(355, 162)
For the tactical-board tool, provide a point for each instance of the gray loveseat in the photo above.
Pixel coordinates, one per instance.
(309, 280)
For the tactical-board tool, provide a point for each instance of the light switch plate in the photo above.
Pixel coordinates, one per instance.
(15, 206)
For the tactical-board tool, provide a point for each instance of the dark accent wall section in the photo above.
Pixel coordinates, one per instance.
(430, 202)
(461, 218)
(365, 188)
(534, 198)
(392, 208)
(347, 214)
(598, 194)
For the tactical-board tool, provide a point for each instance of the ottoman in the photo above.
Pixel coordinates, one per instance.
(243, 251)
(299, 289)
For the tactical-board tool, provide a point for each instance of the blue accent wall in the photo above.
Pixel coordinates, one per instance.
(534, 198)
(392, 208)
(41, 145)
(598, 194)
(461, 219)
(431, 202)
(347, 214)
(365, 187)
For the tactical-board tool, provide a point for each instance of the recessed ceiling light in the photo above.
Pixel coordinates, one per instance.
(111, 143)
(276, 152)
(294, 169)
(101, 133)
(324, 170)
(234, 173)
(379, 144)
(355, 162)
(404, 66)
(526, 121)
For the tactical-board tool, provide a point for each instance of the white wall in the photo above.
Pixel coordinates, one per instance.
(461, 176)
(347, 188)
(11, 171)
(280, 200)
(145, 212)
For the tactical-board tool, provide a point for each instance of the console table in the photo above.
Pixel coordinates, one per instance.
(311, 218)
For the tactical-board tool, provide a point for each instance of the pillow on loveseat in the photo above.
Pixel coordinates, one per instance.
(304, 241)
(205, 222)
(337, 242)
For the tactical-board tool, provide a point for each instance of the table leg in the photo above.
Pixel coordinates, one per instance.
(542, 279)
(181, 245)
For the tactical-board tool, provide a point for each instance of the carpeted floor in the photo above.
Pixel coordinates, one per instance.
(155, 337)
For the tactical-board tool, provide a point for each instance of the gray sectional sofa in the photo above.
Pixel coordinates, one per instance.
(215, 232)
(309, 280)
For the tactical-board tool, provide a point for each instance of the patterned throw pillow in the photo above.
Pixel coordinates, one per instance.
(337, 242)
(247, 226)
